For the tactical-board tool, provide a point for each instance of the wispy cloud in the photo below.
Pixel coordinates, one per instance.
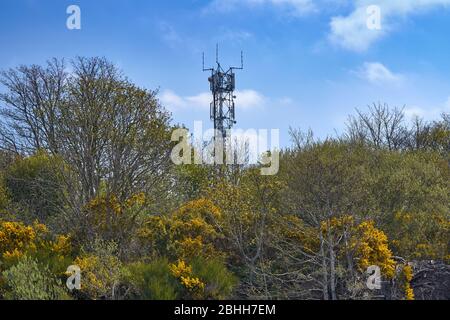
(245, 100)
(235, 35)
(286, 101)
(428, 113)
(249, 99)
(379, 74)
(351, 31)
(174, 102)
(171, 100)
(175, 37)
(296, 7)
(169, 34)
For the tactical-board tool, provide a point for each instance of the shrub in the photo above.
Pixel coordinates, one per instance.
(100, 270)
(219, 281)
(36, 184)
(195, 280)
(190, 231)
(35, 241)
(29, 280)
(151, 281)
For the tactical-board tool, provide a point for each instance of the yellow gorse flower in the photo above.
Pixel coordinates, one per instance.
(183, 272)
(372, 248)
(180, 269)
(17, 239)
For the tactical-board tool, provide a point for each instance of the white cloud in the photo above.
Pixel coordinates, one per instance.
(249, 99)
(171, 100)
(351, 31)
(296, 7)
(413, 112)
(245, 99)
(377, 73)
(201, 100)
(429, 113)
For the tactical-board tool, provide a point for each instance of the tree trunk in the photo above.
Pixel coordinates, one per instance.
(324, 269)
(332, 266)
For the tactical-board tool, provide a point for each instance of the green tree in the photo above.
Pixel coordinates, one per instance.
(36, 184)
(114, 135)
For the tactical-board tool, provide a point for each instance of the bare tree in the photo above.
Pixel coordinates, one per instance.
(32, 105)
(381, 127)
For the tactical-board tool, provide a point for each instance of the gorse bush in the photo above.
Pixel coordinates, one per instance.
(18, 240)
(190, 231)
(101, 270)
(108, 218)
(151, 281)
(219, 282)
(162, 280)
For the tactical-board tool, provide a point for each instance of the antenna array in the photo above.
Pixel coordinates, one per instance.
(222, 85)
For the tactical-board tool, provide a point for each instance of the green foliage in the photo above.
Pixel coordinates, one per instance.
(29, 280)
(4, 196)
(326, 180)
(414, 181)
(219, 281)
(159, 280)
(36, 184)
(151, 281)
(422, 236)
(193, 180)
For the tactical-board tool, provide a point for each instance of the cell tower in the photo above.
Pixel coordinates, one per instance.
(222, 84)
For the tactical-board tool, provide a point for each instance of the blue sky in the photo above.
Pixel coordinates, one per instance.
(308, 64)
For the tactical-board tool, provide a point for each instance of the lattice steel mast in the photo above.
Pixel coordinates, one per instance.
(222, 85)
